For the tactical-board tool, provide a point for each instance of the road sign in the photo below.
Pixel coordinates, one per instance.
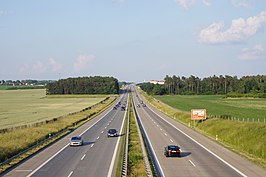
(198, 114)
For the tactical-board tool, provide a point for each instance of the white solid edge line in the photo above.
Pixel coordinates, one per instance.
(110, 171)
(34, 171)
(218, 157)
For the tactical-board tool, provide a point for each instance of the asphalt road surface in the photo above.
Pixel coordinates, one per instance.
(200, 156)
(97, 157)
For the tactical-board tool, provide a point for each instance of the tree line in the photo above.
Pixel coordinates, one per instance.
(255, 85)
(84, 85)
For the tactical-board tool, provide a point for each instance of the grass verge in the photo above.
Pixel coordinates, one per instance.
(136, 165)
(245, 138)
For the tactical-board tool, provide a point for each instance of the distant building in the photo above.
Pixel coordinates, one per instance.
(161, 82)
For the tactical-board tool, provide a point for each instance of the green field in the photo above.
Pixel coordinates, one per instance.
(218, 105)
(20, 107)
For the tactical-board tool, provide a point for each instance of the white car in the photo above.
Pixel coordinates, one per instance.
(76, 141)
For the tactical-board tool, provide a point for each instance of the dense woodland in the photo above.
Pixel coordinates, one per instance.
(249, 85)
(84, 85)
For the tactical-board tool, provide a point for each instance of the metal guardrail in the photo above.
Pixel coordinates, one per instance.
(156, 166)
(125, 154)
(32, 147)
(144, 152)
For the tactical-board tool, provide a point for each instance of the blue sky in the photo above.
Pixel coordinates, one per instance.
(132, 40)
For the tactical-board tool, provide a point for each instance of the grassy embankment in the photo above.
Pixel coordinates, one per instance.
(245, 138)
(13, 142)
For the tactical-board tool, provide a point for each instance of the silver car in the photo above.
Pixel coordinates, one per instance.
(76, 141)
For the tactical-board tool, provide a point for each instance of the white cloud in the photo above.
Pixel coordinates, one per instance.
(83, 62)
(241, 3)
(255, 53)
(4, 12)
(187, 3)
(119, 1)
(239, 30)
(36, 68)
(207, 2)
(41, 67)
(54, 65)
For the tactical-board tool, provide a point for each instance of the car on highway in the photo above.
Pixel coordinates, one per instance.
(112, 133)
(123, 108)
(76, 141)
(172, 151)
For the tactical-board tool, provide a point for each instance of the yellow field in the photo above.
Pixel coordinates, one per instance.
(20, 107)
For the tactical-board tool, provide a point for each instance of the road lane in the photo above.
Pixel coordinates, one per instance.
(195, 160)
(98, 157)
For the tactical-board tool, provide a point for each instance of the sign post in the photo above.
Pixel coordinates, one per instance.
(198, 114)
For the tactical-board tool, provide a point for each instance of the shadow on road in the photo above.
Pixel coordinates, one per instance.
(85, 143)
(184, 154)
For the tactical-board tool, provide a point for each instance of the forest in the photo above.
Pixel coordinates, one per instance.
(84, 85)
(228, 85)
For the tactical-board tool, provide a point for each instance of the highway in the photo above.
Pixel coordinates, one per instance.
(200, 156)
(97, 157)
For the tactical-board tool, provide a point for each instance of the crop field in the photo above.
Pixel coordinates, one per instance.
(20, 107)
(243, 108)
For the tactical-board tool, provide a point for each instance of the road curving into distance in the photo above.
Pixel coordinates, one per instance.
(200, 156)
(97, 157)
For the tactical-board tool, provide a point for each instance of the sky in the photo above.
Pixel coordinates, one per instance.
(131, 40)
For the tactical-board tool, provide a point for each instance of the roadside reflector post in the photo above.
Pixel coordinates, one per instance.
(216, 137)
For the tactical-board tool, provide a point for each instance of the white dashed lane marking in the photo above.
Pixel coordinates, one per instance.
(70, 174)
(83, 157)
(192, 163)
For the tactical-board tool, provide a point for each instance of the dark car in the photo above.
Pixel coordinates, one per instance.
(172, 151)
(123, 108)
(112, 133)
